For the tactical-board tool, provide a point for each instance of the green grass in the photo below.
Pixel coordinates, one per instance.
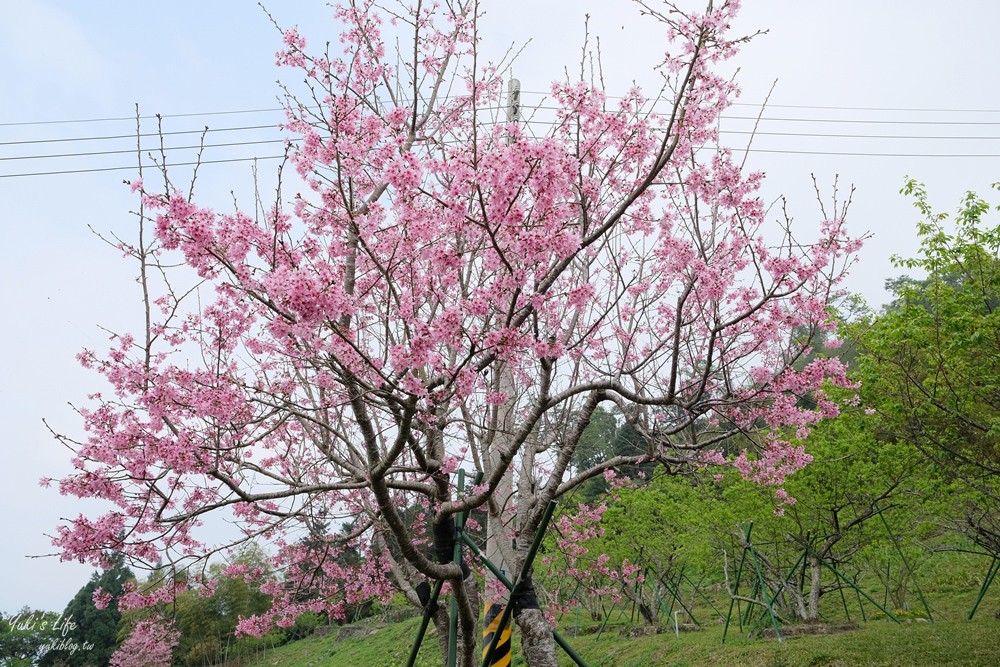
(388, 647)
(875, 644)
(950, 589)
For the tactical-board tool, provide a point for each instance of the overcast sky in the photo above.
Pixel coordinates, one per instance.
(922, 69)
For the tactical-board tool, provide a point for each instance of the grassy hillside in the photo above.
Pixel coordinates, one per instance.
(879, 643)
(950, 583)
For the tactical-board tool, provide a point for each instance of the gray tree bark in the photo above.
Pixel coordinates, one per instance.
(814, 590)
(537, 642)
(468, 643)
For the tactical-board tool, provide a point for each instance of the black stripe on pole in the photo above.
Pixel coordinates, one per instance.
(502, 655)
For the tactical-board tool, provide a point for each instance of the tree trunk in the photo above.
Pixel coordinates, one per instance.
(797, 608)
(444, 539)
(468, 644)
(441, 623)
(644, 610)
(647, 614)
(537, 643)
(814, 588)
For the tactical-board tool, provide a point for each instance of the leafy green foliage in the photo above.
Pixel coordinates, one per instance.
(931, 359)
(597, 440)
(25, 636)
(208, 623)
(607, 436)
(88, 635)
(860, 505)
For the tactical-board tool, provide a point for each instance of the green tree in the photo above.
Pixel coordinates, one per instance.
(830, 512)
(932, 357)
(207, 623)
(26, 636)
(89, 634)
(596, 442)
(607, 436)
(840, 500)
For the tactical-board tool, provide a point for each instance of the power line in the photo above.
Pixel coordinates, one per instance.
(836, 108)
(825, 135)
(859, 136)
(776, 133)
(75, 121)
(26, 142)
(29, 142)
(118, 119)
(134, 135)
(863, 121)
(852, 154)
(136, 168)
(870, 121)
(734, 149)
(769, 105)
(146, 150)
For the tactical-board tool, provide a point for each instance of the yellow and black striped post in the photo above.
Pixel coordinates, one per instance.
(491, 625)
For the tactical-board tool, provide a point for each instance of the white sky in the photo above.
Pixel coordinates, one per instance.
(74, 60)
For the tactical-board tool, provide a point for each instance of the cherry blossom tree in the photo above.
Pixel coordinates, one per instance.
(150, 644)
(450, 290)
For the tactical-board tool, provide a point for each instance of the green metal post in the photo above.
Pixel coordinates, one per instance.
(888, 584)
(994, 568)
(457, 559)
(637, 595)
(435, 594)
(857, 591)
(675, 593)
(624, 608)
(754, 592)
(502, 578)
(763, 588)
(579, 607)
(843, 598)
(656, 593)
(805, 564)
(736, 589)
(698, 591)
(522, 575)
(909, 569)
(564, 645)
(497, 572)
(572, 596)
(606, 619)
(673, 596)
(781, 587)
(424, 622)
(850, 583)
(659, 600)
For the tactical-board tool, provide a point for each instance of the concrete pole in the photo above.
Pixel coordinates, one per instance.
(500, 524)
(513, 101)
(497, 527)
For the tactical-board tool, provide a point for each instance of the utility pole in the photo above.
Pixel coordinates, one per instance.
(513, 101)
(500, 520)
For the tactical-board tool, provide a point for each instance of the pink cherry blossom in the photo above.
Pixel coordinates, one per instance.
(150, 644)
